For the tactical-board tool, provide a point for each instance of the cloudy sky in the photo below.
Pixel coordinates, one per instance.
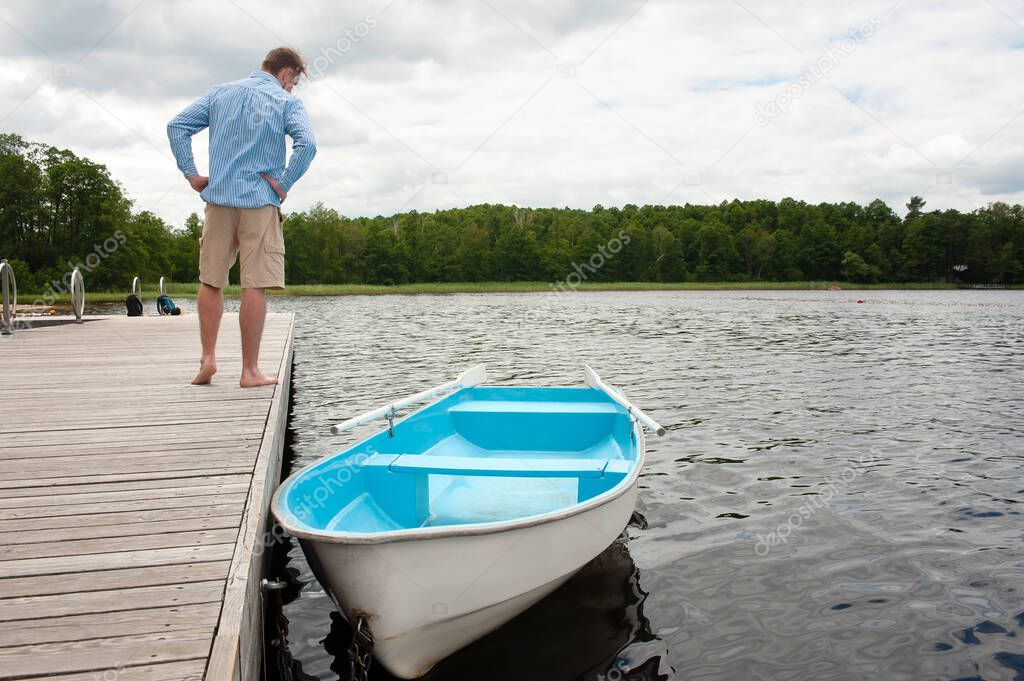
(425, 105)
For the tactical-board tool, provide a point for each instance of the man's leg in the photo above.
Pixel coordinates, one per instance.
(261, 257)
(217, 248)
(250, 320)
(210, 302)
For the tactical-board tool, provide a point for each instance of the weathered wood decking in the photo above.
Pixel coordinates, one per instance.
(132, 504)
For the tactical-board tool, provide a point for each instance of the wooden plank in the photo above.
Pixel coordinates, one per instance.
(103, 654)
(77, 532)
(213, 509)
(168, 372)
(128, 360)
(128, 461)
(34, 424)
(163, 372)
(185, 474)
(191, 670)
(105, 580)
(113, 600)
(182, 442)
(23, 416)
(38, 488)
(58, 433)
(44, 501)
(145, 402)
(159, 392)
(53, 497)
(138, 390)
(128, 333)
(159, 464)
(214, 428)
(120, 437)
(114, 506)
(120, 559)
(106, 624)
(83, 547)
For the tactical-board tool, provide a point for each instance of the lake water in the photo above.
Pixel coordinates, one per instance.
(838, 496)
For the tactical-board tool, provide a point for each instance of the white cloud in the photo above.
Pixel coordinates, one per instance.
(661, 89)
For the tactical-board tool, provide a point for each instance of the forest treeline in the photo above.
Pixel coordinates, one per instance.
(58, 210)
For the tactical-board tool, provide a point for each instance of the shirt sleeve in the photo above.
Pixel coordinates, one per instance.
(297, 126)
(195, 117)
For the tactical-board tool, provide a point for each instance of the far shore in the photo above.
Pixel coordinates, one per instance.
(188, 290)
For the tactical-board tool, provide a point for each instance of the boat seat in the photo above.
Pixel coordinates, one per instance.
(534, 407)
(563, 426)
(484, 466)
(406, 477)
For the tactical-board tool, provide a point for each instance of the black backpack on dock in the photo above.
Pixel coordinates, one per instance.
(134, 305)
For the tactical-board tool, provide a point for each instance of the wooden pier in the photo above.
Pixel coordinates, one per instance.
(133, 506)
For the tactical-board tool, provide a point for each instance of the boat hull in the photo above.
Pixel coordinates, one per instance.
(426, 598)
(465, 514)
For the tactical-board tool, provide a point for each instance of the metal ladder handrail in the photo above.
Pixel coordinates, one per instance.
(9, 286)
(77, 294)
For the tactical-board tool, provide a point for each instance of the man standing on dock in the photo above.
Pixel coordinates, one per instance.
(248, 121)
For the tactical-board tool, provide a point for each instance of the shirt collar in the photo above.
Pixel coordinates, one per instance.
(263, 75)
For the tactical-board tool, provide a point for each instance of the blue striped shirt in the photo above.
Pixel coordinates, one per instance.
(248, 120)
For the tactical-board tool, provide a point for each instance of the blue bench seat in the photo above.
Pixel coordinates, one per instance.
(403, 478)
(490, 466)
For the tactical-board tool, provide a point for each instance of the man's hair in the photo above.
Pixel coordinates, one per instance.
(282, 58)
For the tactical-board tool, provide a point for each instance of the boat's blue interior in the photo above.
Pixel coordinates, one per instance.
(481, 454)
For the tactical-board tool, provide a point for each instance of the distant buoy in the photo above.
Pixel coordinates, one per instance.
(860, 302)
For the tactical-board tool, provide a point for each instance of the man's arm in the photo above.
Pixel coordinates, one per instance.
(192, 119)
(297, 126)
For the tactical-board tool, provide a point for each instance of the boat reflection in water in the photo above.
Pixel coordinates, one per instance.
(577, 632)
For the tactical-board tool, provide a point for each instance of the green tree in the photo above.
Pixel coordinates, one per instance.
(855, 269)
(914, 207)
(717, 257)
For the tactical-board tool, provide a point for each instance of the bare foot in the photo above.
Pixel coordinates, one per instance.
(206, 372)
(254, 379)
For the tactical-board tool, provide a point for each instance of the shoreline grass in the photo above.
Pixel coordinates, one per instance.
(188, 290)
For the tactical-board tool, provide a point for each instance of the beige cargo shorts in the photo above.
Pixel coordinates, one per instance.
(254, 235)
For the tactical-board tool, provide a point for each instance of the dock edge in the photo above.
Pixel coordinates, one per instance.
(237, 650)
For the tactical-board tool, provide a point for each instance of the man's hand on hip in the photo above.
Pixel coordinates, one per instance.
(199, 182)
(281, 194)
